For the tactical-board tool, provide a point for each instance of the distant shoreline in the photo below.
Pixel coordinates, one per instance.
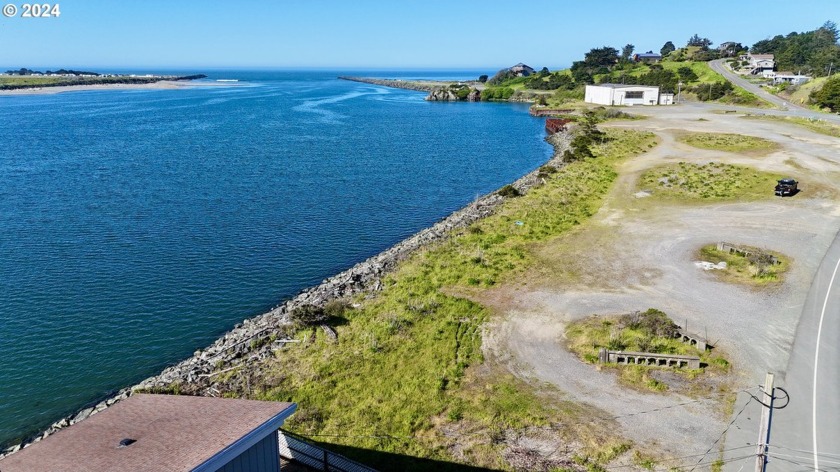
(160, 85)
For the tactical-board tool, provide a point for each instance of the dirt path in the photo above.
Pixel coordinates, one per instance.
(635, 254)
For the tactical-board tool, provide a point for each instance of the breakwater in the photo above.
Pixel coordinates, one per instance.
(439, 90)
(416, 85)
(259, 337)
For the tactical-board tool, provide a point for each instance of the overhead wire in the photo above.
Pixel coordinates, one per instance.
(683, 457)
(833, 455)
(723, 433)
(777, 455)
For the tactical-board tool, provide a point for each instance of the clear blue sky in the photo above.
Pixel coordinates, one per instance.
(385, 34)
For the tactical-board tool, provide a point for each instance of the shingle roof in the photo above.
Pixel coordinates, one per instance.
(172, 433)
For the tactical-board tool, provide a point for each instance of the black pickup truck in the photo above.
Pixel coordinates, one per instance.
(787, 187)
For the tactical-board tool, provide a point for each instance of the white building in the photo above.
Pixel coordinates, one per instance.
(619, 94)
(793, 79)
(761, 63)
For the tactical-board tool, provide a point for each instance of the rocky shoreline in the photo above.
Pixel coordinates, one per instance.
(415, 85)
(439, 90)
(259, 337)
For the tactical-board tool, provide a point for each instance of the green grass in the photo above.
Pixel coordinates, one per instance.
(17, 82)
(713, 181)
(743, 269)
(817, 126)
(742, 97)
(400, 374)
(30, 81)
(650, 331)
(800, 94)
(728, 142)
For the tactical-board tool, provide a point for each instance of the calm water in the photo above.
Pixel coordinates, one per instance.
(138, 226)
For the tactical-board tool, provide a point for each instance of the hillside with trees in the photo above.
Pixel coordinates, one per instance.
(813, 53)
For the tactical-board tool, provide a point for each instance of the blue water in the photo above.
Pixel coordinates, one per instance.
(138, 226)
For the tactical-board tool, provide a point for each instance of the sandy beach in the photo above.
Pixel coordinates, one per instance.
(162, 85)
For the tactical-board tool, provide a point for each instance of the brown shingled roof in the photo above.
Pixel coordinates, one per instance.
(172, 433)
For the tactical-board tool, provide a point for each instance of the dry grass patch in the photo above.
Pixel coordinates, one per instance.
(729, 142)
(754, 267)
(713, 181)
(650, 331)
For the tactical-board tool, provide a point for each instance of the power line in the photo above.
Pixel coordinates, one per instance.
(779, 456)
(684, 457)
(723, 433)
(801, 464)
(827, 454)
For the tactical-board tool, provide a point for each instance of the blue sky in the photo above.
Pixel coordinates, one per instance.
(451, 34)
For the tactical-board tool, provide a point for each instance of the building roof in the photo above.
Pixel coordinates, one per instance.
(762, 57)
(521, 66)
(171, 432)
(615, 86)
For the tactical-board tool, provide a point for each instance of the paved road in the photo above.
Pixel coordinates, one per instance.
(809, 428)
(788, 108)
(720, 67)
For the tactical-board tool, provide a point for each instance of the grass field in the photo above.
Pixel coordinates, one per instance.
(404, 377)
(648, 331)
(713, 181)
(755, 269)
(729, 142)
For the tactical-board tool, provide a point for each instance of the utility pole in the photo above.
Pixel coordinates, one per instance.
(764, 427)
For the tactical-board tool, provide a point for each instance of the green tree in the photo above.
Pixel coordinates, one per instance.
(687, 74)
(627, 51)
(597, 57)
(482, 78)
(696, 40)
(829, 95)
(667, 48)
(581, 76)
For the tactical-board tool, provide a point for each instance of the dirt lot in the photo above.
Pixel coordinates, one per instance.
(638, 253)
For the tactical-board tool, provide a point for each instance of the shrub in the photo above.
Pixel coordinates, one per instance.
(308, 315)
(509, 191)
(652, 322)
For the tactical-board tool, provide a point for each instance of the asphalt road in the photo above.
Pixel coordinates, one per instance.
(789, 109)
(809, 428)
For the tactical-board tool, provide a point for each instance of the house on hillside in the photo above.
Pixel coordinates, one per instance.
(728, 48)
(620, 94)
(790, 78)
(649, 57)
(522, 70)
(164, 432)
(761, 64)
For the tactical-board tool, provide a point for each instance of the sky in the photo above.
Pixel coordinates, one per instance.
(396, 34)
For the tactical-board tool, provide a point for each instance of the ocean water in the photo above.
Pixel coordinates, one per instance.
(138, 226)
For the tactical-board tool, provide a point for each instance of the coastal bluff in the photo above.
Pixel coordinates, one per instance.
(265, 335)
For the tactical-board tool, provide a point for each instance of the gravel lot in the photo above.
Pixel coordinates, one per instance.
(637, 254)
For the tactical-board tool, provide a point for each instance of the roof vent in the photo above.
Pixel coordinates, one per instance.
(127, 442)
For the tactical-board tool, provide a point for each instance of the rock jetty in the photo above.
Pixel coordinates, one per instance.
(439, 90)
